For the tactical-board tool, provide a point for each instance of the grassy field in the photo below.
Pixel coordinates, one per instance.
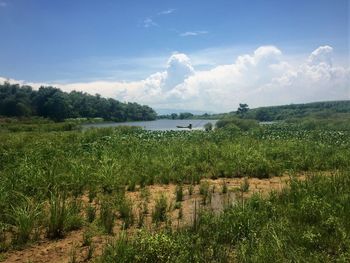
(54, 181)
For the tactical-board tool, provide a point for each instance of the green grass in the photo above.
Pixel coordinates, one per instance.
(57, 167)
(306, 223)
(159, 213)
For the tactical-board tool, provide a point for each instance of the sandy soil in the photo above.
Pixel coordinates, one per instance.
(62, 250)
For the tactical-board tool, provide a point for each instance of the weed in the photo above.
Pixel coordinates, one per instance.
(25, 218)
(179, 193)
(224, 187)
(90, 213)
(57, 215)
(107, 215)
(74, 220)
(87, 237)
(204, 191)
(245, 185)
(190, 189)
(125, 212)
(159, 213)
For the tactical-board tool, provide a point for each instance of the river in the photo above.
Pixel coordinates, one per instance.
(157, 125)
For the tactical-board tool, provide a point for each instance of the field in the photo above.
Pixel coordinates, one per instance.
(258, 194)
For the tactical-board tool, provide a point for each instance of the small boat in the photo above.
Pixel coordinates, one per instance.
(185, 127)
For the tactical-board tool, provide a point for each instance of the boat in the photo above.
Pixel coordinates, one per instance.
(185, 127)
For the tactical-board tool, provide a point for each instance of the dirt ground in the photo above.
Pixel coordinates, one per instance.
(64, 250)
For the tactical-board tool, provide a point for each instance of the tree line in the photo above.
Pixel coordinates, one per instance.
(53, 103)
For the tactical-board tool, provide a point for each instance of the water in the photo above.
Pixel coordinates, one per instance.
(157, 125)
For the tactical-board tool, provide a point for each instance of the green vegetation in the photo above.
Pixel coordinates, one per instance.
(49, 102)
(306, 223)
(315, 110)
(160, 209)
(45, 179)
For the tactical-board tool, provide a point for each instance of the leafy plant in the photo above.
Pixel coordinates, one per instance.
(57, 215)
(159, 213)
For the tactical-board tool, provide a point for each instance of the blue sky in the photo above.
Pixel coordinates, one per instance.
(67, 42)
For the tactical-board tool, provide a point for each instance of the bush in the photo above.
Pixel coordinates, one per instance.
(25, 218)
(107, 215)
(242, 124)
(125, 212)
(159, 213)
(90, 213)
(74, 220)
(57, 215)
(208, 126)
(179, 193)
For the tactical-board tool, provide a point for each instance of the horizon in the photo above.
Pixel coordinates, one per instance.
(195, 56)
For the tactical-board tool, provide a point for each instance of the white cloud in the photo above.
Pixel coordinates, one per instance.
(148, 22)
(264, 77)
(323, 54)
(167, 12)
(193, 33)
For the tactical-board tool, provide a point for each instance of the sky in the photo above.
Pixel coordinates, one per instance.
(193, 55)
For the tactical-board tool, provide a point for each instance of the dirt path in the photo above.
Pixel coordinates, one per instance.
(64, 250)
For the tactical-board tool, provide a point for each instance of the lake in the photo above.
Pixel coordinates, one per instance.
(157, 125)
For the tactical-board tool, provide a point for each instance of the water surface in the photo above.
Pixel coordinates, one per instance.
(157, 125)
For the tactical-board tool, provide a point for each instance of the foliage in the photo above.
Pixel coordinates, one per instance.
(159, 213)
(242, 124)
(306, 223)
(107, 214)
(179, 193)
(242, 109)
(208, 126)
(55, 168)
(57, 215)
(57, 105)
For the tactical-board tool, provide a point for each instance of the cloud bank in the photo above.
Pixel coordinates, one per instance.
(264, 77)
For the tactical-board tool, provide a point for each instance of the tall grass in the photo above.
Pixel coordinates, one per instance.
(159, 213)
(54, 168)
(306, 223)
(25, 217)
(57, 215)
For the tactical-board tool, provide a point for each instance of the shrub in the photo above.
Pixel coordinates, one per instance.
(160, 209)
(25, 218)
(57, 215)
(245, 185)
(90, 213)
(74, 220)
(125, 212)
(179, 193)
(107, 215)
(204, 191)
(208, 126)
(224, 187)
(242, 124)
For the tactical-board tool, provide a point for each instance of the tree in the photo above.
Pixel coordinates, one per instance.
(263, 115)
(242, 109)
(174, 116)
(50, 102)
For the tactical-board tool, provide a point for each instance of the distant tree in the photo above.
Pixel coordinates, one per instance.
(263, 115)
(174, 116)
(242, 109)
(185, 115)
(53, 103)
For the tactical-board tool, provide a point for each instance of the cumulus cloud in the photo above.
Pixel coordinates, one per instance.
(264, 77)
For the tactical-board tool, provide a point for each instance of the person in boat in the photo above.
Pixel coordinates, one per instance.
(185, 127)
